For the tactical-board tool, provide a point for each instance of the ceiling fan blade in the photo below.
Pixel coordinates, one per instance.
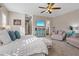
(56, 8)
(43, 11)
(51, 4)
(43, 7)
(49, 8)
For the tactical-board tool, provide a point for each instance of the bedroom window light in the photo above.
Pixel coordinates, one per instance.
(22, 30)
(3, 20)
(8, 27)
(75, 25)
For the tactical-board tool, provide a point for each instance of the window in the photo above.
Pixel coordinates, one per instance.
(40, 23)
(4, 20)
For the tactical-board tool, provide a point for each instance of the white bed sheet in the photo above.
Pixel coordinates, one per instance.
(24, 47)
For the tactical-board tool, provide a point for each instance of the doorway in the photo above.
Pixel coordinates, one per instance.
(26, 27)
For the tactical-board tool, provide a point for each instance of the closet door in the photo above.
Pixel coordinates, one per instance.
(26, 27)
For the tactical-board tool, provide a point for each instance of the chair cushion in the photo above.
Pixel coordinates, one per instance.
(71, 33)
(12, 35)
(17, 34)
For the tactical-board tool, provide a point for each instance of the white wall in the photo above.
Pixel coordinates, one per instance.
(0, 17)
(14, 15)
(4, 11)
(64, 21)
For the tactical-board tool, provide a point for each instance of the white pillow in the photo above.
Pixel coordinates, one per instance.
(4, 37)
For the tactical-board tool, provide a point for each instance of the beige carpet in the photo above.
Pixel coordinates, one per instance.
(61, 48)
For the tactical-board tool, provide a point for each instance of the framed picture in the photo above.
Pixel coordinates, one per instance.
(17, 22)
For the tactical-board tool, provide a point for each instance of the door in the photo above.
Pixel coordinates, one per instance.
(26, 27)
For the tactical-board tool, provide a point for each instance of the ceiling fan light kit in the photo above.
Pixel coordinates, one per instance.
(50, 7)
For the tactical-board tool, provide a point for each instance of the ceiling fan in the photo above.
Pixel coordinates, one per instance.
(50, 7)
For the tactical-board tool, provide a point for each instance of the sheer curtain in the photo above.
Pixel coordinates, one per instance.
(4, 20)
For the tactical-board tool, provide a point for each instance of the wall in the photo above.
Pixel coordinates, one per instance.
(4, 11)
(64, 21)
(10, 16)
(0, 17)
(14, 15)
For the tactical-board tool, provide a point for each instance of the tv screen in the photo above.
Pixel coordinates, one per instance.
(40, 23)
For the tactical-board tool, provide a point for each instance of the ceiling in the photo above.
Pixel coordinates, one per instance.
(32, 8)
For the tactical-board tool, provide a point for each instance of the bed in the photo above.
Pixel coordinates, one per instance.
(22, 48)
(26, 46)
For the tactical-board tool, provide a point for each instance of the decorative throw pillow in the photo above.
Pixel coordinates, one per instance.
(12, 35)
(70, 33)
(4, 37)
(17, 34)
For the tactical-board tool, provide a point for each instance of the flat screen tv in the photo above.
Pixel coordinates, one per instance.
(40, 23)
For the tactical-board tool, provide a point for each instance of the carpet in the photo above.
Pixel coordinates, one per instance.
(61, 48)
